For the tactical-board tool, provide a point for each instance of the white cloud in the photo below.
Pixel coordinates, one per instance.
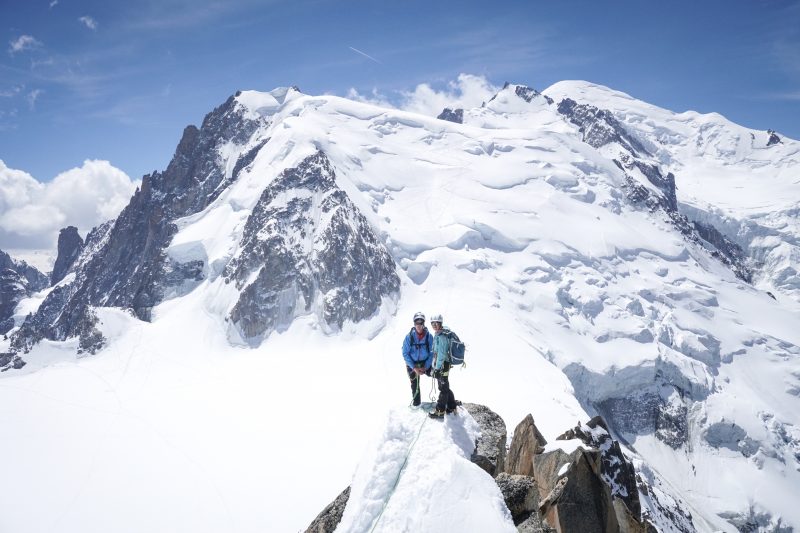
(32, 213)
(466, 91)
(13, 91)
(32, 97)
(374, 97)
(53, 4)
(89, 22)
(22, 43)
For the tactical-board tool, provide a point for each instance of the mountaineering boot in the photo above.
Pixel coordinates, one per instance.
(454, 409)
(436, 414)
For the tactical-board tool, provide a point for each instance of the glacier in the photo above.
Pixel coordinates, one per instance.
(583, 279)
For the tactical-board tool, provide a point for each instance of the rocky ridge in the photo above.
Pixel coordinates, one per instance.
(306, 248)
(583, 484)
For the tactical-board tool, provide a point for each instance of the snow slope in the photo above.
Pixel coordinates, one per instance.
(725, 173)
(571, 301)
(417, 476)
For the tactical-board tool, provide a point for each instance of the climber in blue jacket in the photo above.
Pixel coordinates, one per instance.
(418, 354)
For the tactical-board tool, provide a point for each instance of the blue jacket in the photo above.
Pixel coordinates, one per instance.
(417, 351)
(441, 348)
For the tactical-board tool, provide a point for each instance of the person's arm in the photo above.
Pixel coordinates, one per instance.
(442, 344)
(429, 359)
(407, 351)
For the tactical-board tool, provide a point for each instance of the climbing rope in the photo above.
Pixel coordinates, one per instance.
(399, 473)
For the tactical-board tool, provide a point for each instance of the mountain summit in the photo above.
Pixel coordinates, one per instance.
(598, 255)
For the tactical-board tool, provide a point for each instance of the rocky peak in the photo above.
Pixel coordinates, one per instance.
(18, 280)
(307, 249)
(599, 127)
(70, 245)
(522, 91)
(128, 266)
(452, 115)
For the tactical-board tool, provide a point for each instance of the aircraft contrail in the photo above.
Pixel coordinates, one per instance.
(356, 50)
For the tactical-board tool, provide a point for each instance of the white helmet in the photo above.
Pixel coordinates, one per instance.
(437, 318)
(419, 315)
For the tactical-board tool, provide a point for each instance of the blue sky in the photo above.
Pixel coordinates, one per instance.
(119, 81)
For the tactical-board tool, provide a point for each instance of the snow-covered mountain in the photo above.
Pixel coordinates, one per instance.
(599, 255)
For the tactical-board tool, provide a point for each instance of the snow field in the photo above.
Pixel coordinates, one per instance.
(513, 229)
(416, 475)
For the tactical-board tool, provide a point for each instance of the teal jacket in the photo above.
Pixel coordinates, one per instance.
(441, 348)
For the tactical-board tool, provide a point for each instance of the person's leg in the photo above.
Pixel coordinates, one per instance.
(414, 378)
(444, 388)
(450, 403)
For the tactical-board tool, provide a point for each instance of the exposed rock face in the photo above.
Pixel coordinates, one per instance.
(70, 245)
(329, 518)
(599, 127)
(307, 249)
(528, 93)
(525, 92)
(615, 469)
(731, 436)
(592, 488)
(773, 138)
(658, 405)
(128, 266)
(490, 450)
(526, 442)
(522, 499)
(452, 115)
(18, 280)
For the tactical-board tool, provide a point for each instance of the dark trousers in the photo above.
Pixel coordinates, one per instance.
(446, 398)
(415, 385)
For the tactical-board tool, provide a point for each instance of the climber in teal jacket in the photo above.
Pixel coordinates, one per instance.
(441, 369)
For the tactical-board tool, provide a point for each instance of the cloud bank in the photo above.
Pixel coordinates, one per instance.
(32, 212)
(466, 91)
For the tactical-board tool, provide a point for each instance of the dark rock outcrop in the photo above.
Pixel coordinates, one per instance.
(526, 442)
(579, 500)
(490, 449)
(18, 280)
(306, 246)
(773, 138)
(599, 127)
(327, 520)
(528, 93)
(128, 266)
(615, 469)
(522, 498)
(70, 245)
(592, 488)
(452, 115)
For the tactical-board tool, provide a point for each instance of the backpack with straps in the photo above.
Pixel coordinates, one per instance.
(412, 337)
(457, 348)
